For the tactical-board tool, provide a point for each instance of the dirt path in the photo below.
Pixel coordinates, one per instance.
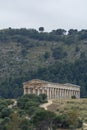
(45, 105)
(84, 126)
(14, 104)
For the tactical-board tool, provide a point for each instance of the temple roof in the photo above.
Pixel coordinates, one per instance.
(38, 81)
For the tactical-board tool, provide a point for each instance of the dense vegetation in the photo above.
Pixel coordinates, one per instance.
(57, 56)
(27, 115)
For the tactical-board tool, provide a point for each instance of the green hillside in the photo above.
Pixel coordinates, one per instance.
(26, 54)
(63, 106)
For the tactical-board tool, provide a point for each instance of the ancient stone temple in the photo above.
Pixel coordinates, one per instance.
(53, 90)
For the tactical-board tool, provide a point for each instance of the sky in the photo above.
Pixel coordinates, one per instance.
(50, 14)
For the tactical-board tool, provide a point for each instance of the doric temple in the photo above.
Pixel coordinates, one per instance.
(53, 90)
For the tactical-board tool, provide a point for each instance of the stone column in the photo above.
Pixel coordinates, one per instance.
(54, 92)
(42, 90)
(25, 91)
(51, 93)
(63, 93)
(45, 90)
(28, 90)
(48, 94)
(78, 94)
(59, 93)
(38, 91)
(69, 93)
(33, 91)
(73, 92)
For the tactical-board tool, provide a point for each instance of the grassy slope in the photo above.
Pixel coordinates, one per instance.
(66, 105)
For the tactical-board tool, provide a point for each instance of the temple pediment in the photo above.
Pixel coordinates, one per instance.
(35, 81)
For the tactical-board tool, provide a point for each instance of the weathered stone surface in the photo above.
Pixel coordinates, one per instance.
(53, 90)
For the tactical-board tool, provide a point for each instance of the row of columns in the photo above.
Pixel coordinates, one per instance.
(54, 92)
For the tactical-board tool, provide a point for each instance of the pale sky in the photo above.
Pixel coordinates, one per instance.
(51, 14)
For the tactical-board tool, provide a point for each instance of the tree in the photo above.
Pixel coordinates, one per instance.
(73, 97)
(41, 29)
(59, 53)
(26, 125)
(73, 118)
(59, 32)
(72, 31)
(83, 34)
(43, 120)
(5, 112)
(61, 121)
(43, 98)
(32, 98)
(46, 55)
(30, 102)
(14, 123)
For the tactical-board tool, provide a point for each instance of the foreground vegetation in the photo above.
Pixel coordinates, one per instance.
(27, 115)
(63, 106)
(56, 56)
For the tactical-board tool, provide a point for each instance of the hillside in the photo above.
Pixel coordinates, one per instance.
(64, 106)
(32, 111)
(26, 54)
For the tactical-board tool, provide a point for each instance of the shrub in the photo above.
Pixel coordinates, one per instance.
(58, 53)
(73, 97)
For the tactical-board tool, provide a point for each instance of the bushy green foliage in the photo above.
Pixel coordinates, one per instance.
(61, 121)
(30, 102)
(46, 55)
(5, 112)
(58, 53)
(32, 117)
(4, 103)
(73, 97)
(43, 120)
(55, 56)
(42, 98)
